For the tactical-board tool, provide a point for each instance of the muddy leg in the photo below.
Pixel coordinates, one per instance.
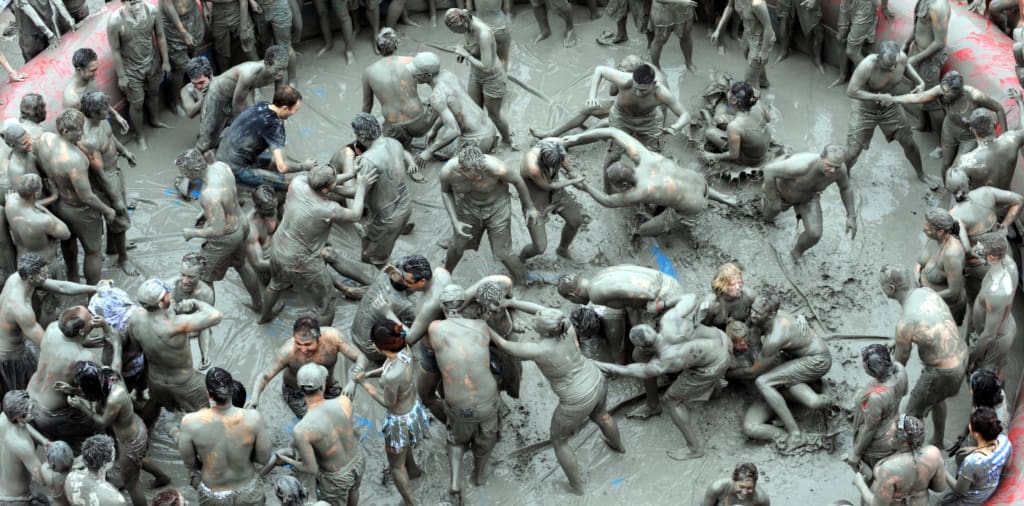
(766, 386)
(652, 405)
(540, 12)
(576, 121)
(373, 16)
(681, 417)
(853, 150)
(130, 481)
(686, 46)
(913, 154)
(399, 473)
(92, 265)
(296, 21)
(426, 383)
(69, 250)
(325, 25)
(119, 242)
(160, 478)
(251, 281)
(572, 214)
(817, 43)
(454, 254)
(609, 430)
(939, 423)
(136, 116)
(455, 453)
(395, 11)
(493, 106)
(811, 217)
(784, 35)
(565, 455)
(804, 394)
(270, 298)
(660, 38)
(538, 241)
(177, 78)
(756, 423)
(570, 32)
(346, 21)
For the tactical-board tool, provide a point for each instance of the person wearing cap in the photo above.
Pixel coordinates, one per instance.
(225, 227)
(222, 444)
(405, 422)
(310, 344)
(163, 333)
(460, 346)
(324, 441)
(581, 388)
(389, 297)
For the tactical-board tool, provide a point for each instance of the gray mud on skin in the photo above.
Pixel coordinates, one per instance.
(839, 276)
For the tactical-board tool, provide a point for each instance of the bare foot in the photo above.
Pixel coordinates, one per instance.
(564, 253)
(127, 266)
(268, 317)
(456, 496)
(936, 153)
(159, 124)
(575, 488)
(617, 448)
(794, 441)
(537, 134)
(608, 38)
(350, 57)
(819, 66)
(570, 39)
(684, 454)
(142, 143)
(324, 50)
(933, 182)
(782, 56)
(542, 36)
(691, 67)
(794, 255)
(646, 411)
(480, 476)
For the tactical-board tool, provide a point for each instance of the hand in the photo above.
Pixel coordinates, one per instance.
(592, 103)
(166, 68)
(460, 51)
(603, 367)
(64, 388)
(188, 234)
(851, 227)
(532, 216)
(919, 88)
(809, 4)
(884, 98)
(246, 35)
(707, 157)
(17, 77)
(714, 37)
(109, 214)
(256, 7)
(414, 174)
(186, 306)
(1015, 94)
(423, 158)
(367, 177)
(52, 40)
(672, 130)
(349, 390)
(122, 82)
(189, 41)
(130, 157)
(852, 461)
(464, 230)
(359, 378)
(123, 123)
(286, 452)
(78, 403)
(570, 140)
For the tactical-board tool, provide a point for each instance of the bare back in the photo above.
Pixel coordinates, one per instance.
(62, 161)
(391, 81)
(463, 356)
(328, 429)
(927, 322)
(226, 441)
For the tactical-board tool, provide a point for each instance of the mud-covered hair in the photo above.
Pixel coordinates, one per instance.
(940, 219)
(743, 95)
(417, 265)
(953, 79)
(549, 322)
(60, 456)
(910, 430)
(455, 16)
(220, 385)
(745, 471)
(644, 74)
(629, 63)
(264, 196)
(877, 361)
(320, 177)
(71, 321)
(83, 57)
(70, 119)
(471, 157)
(489, 292)
(168, 497)
(32, 107)
(94, 104)
(993, 243)
(724, 275)
(13, 134)
(28, 185)
(586, 321)
(198, 67)
(986, 423)
(834, 152)
(195, 259)
(983, 122)
(387, 335)
(895, 274)
(387, 41)
(30, 264)
(286, 96)
(551, 154)
(771, 301)
(986, 388)
(98, 451)
(642, 332)
(190, 159)
(365, 125)
(889, 49)
(307, 326)
(568, 284)
(289, 491)
(17, 404)
(275, 54)
(91, 380)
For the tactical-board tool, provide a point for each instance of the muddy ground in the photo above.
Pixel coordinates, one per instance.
(837, 278)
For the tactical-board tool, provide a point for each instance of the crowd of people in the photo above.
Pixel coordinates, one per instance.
(82, 386)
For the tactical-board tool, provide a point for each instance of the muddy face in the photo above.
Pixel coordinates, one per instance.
(306, 345)
(744, 489)
(642, 90)
(735, 287)
(200, 82)
(189, 277)
(41, 277)
(89, 72)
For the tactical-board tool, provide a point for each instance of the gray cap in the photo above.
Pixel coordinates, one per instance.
(311, 376)
(152, 292)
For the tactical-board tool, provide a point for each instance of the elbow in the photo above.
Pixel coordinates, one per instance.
(216, 317)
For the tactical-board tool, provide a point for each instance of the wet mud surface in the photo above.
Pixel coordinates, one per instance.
(835, 285)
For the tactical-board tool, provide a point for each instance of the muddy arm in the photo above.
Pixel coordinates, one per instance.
(618, 79)
(940, 25)
(520, 350)
(983, 100)
(1012, 200)
(926, 96)
(280, 362)
(68, 287)
(651, 369)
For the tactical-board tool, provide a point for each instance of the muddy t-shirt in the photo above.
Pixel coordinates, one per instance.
(254, 131)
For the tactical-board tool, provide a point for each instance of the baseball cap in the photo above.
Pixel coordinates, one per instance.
(311, 376)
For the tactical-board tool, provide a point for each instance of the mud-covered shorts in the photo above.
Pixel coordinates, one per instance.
(799, 370)
(495, 218)
(66, 424)
(380, 235)
(646, 129)
(133, 452)
(671, 220)
(400, 132)
(277, 15)
(226, 26)
(177, 50)
(556, 5)
(213, 116)
(142, 81)
(225, 252)
(618, 9)
(667, 19)
(251, 494)
(187, 398)
(570, 418)
(477, 425)
(810, 19)
(333, 486)
(31, 41)
(696, 385)
(868, 114)
(494, 84)
(84, 222)
(16, 369)
(296, 400)
(859, 18)
(934, 386)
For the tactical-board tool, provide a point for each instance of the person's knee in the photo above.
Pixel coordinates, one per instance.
(813, 231)
(765, 383)
(906, 139)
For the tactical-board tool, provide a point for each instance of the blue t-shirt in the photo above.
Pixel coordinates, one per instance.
(253, 132)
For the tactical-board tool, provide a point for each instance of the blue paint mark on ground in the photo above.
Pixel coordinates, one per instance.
(319, 90)
(305, 131)
(664, 262)
(617, 481)
(547, 277)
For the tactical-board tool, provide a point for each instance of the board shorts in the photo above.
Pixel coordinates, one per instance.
(570, 417)
(250, 494)
(671, 220)
(697, 384)
(277, 15)
(400, 131)
(178, 52)
(134, 451)
(800, 370)
(810, 19)
(405, 431)
(115, 180)
(32, 42)
(495, 218)
(333, 486)
(812, 205)
(296, 400)
(868, 114)
(859, 18)
(998, 353)
(619, 9)
(381, 233)
(226, 26)
(646, 128)
(225, 252)
(930, 71)
(493, 84)
(284, 275)
(933, 387)
(476, 425)
(16, 369)
(667, 19)
(84, 222)
(187, 398)
(142, 81)
(213, 117)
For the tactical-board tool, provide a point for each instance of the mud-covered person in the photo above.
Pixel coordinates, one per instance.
(806, 13)
(858, 21)
(33, 228)
(460, 120)
(758, 37)
(474, 189)
(189, 284)
(231, 27)
(39, 28)
(104, 398)
(926, 48)
(310, 344)
(955, 102)
(21, 160)
(78, 206)
(809, 359)
(876, 408)
(906, 476)
(941, 264)
(498, 15)
(670, 17)
(540, 170)
(993, 327)
(798, 181)
(19, 463)
(133, 31)
(460, 348)
(104, 151)
(185, 33)
(540, 10)
(392, 82)
(343, 9)
(746, 139)
(646, 177)
(728, 301)
(86, 63)
(174, 384)
(925, 320)
(405, 423)
(296, 259)
(740, 489)
(89, 486)
(390, 297)
(273, 19)
(66, 342)
(220, 445)
(324, 442)
(263, 223)
(994, 161)
(224, 227)
(233, 89)
(488, 81)
(388, 203)
(59, 459)
(701, 362)
(193, 94)
(871, 86)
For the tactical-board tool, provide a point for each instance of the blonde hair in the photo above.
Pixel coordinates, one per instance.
(724, 276)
